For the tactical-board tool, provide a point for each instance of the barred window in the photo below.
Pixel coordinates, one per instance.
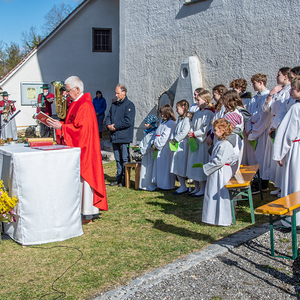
(102, 40)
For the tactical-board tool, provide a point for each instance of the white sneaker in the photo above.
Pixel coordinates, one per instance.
(275, 192)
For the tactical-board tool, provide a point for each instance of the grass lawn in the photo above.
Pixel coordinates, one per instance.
(141, 231)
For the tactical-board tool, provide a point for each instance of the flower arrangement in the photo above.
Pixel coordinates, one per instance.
(6, 205)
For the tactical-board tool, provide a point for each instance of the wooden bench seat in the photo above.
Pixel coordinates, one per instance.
(282, 208)
(239, 185)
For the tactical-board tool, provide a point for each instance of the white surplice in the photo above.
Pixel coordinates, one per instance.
(161, 175)
(287, 149)
(273, 107)
(147, 162)
(179, 159)
(224, 163)
(259, 126)
(200, 125)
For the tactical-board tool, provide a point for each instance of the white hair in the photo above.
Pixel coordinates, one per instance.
(73, 82)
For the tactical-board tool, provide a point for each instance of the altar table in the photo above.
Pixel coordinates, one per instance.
(47, 185)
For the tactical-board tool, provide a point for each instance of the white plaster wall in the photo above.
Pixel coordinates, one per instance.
(232, 38)
(69, 52)
(30, 73)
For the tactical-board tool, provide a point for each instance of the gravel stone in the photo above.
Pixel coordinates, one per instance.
(237, 267)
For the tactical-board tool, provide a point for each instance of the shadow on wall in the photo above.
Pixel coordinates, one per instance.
(197, 7)
(139, 130)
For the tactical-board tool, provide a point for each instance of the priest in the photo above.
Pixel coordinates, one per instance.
(80, 129)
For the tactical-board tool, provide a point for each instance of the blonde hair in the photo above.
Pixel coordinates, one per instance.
(185, 105)
(206, 96)
(225, 125)
(295, 84)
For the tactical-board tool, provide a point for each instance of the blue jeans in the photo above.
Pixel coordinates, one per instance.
(100, 119)
(122, 156)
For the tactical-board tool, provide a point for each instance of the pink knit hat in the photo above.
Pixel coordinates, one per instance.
(233, 118)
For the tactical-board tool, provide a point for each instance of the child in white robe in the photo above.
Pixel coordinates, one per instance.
(273, 105)
(218, 92)
(233, 107)
(199, 128)
(287, 147)
(161, 175)
(286, 105)
(223, 165)
(180, 137)
(147, 154)
(194, 107)
(240, 85)
(258, 127)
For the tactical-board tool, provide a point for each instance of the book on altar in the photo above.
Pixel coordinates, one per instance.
(52, 147)
(42, 117)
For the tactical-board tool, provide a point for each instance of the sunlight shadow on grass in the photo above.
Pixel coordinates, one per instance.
(161, 225)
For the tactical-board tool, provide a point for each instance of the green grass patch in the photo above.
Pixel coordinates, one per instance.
(141, 231)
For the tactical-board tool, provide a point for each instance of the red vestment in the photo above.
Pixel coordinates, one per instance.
(80, 129)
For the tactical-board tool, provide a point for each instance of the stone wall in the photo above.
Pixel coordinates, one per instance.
(231, 38)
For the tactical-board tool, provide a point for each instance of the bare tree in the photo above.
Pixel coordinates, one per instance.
(30, 39)
(55, 16)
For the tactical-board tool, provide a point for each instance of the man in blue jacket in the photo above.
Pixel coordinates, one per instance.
(120, 123)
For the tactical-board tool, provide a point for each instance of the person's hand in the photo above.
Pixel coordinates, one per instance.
(4, 111)
(251, 137)
(275, 90)
(111, 127)
(270, 131)
(97, 114)
(54, 123)
(280, 163)
(209, 141)
(50, 100)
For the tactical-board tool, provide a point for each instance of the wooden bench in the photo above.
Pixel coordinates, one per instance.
(137, 167)
(239, 185)
(283, 208)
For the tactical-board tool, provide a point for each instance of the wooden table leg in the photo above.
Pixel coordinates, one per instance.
(127, 176)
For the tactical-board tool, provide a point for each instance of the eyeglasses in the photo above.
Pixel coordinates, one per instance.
(68, 91)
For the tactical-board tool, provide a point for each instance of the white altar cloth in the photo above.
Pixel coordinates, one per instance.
(47, 185)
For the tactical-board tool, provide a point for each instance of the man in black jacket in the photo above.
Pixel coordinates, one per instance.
(120, 123)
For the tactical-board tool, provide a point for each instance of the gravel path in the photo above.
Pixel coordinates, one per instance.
(237, 267)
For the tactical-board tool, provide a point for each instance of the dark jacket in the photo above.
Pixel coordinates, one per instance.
(122, 114)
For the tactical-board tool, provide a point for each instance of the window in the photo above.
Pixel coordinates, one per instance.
(102, 40)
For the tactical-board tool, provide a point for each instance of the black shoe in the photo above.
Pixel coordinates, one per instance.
(254, 190)
(197, 196)
(176, 193)
(114, 183)
(122, 183)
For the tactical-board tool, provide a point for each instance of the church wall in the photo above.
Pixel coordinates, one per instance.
(231, 38)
